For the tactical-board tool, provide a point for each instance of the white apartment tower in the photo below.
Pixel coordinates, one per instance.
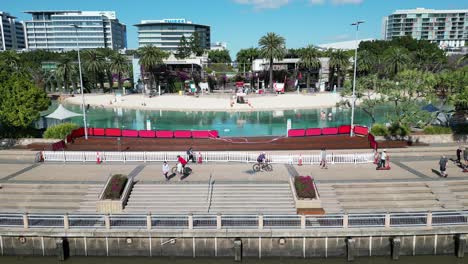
(53, 30)
(448, 28)
(12, 33)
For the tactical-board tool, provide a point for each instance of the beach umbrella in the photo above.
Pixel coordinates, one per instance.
(62, 113)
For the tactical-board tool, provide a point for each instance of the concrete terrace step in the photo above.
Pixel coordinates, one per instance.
(380, 185)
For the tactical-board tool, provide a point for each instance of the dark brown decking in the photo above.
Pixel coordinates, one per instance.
(221, 144)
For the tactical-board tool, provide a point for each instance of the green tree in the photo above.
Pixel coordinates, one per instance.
(219, 56)
(272, 46)
(151, 58)
(196, 44)
(119, 65)
(339, 62)
(366, 62)
(396, 59)
(245, 57)
(93, 62)
(106, 54)
(183, 50)
(309, 59)
(20, 103)
(65, 70)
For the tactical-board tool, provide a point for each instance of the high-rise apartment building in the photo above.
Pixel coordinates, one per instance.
(448, 28)
(53, 30)
(12, 33)
(166, 34)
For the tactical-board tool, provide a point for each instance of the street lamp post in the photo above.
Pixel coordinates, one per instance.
(81, 82)
(357, 23)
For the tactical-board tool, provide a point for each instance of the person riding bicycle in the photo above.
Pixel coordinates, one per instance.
(182, 162)
(262, 160)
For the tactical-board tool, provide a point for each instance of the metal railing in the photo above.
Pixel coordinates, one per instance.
(216, 222)
(210, 156)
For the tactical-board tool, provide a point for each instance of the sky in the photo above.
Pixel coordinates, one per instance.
(241, 23)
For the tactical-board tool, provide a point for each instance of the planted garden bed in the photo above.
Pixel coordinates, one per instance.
(306, 196)
(305, 187)
(115, 187)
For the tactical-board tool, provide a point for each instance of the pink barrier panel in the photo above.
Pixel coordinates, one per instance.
(113, 132)
(313, 132)
(214, 134)
(182, 134)
(129, 133)
(147, 133)
(361, 130)
(201, 134)
(296, 132)
(346, 129)
(99, 132)
(329, 131)
(90, 131)
(164, 134)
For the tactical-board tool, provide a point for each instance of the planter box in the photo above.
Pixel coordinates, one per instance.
(109, 206)
(306, 206)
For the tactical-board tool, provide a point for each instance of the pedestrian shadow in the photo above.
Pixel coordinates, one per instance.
(436, 172)
(169, 177)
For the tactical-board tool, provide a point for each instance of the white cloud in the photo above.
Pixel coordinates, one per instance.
(263, 4)
(336, 2)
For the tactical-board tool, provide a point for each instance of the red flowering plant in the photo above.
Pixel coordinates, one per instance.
(116, 186)
(305, 187)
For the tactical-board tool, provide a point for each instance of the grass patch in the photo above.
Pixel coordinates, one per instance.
(116, 186)
(305, 187)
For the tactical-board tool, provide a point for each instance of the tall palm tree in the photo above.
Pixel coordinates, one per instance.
(309, 59)
(94, 63)
(150, 58)
(272, 46)
(119, 65)
(366, 62)
(65, 70)
(106, 54)
(339, 62)
(396, 59)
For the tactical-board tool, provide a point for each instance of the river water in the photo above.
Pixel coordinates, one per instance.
(141, 260)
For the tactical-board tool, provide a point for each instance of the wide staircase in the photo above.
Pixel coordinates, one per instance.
(221, 198)
(48, 198)
(387, 197)
(459, 190)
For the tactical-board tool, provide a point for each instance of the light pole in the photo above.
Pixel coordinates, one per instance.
(357, 23)
(81, 82)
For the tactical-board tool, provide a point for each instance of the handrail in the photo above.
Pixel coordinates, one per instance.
(126, 192)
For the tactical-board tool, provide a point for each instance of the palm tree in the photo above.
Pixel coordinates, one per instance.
(150, 58)
(272, 46)
(396, 59)
(366, 62)
(339, 62)
(106, 54)
(247, 56)
(65, 70)
(309, 59)
(94, 63)
(119, 65)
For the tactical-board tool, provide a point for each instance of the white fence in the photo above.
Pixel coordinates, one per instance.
(93, 156)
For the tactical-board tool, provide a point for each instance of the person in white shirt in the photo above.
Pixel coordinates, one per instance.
(165, 170)
(383, 158)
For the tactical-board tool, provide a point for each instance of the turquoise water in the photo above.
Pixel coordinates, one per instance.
(255, 123)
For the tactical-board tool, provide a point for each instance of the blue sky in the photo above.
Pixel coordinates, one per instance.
(241, 23)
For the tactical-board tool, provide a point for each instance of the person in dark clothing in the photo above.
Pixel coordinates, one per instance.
(190, 155)
(443, 166)
(459, 152)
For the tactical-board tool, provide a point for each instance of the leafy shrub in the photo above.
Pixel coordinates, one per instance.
(398, 130)
(379, 130)
(116, 186)
(436, 130)
(60, 131)
(305, 187)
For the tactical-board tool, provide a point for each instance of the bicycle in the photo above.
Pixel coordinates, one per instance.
(186, 171)
(262, 166)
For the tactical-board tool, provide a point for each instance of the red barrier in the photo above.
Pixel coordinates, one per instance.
(346, 129)
(129, 133)
(113, 132)
(58, 145)
(214, 134)
(70, 138)
(313, 132)
(182, 134)
(164, 134)
(99, 132)
(296, 132)
(147, 133)
(361, 130)
(329, 131)
(200, 134)
(90, 131)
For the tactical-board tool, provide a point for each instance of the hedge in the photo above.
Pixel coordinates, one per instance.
(437, 130)
(379, 130)
(116, 186)
(60, 131)
(305, 187)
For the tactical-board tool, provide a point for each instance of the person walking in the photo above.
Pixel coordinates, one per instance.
(459, 152)
(443, 166)
(190, 155)
(323, 158)
(383, 158)
(181, 166)
(465, 158)
(165, 170)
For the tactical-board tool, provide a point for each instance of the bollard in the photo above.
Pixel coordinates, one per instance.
(460, 243)
(237, 250)
(396, 247)
(62, 249)
(350, 245)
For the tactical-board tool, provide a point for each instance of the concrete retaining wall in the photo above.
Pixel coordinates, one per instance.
(254, 247)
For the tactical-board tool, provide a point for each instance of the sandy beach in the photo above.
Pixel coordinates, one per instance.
(211, 102)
